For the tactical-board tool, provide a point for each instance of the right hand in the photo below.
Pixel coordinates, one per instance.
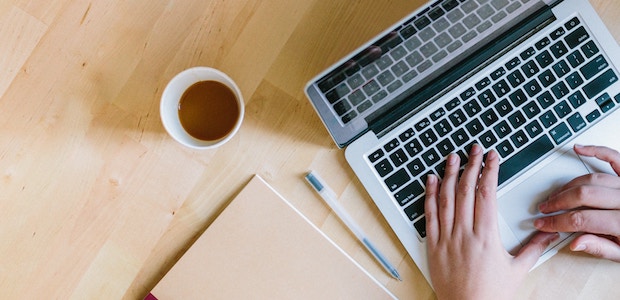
(592, 205)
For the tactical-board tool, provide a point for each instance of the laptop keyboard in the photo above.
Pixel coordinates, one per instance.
(532, 104)
(410, 52)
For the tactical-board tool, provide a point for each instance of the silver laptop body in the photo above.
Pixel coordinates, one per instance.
(534, 78)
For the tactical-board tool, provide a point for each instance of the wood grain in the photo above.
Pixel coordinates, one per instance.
(96, 201)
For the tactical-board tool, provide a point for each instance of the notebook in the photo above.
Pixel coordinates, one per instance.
(261, 247)
(527, 78)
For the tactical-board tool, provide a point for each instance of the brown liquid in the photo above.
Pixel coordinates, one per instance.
(208, 110)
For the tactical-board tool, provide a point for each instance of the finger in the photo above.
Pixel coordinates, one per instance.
(447, 196)
(597, 246)
(592, 221)
(430, 206)
(467, 187)
(531, 252)
(486, 204)
(595, 179)
(582, 196)
(603, 153)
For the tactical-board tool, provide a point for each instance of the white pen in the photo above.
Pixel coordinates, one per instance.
(329, 196)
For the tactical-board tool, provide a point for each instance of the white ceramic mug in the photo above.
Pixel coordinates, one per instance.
(171, 97)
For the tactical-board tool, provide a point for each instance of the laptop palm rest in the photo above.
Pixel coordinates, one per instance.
(519, 205)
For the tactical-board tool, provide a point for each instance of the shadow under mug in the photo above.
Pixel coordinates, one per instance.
(171, 97)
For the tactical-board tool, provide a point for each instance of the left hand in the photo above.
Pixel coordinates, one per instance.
(466, 257)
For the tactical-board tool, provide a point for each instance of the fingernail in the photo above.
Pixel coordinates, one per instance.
(578, 146)
(580, 247)
(539, 223)
(542, 207)
(475, 149)
(452, 159)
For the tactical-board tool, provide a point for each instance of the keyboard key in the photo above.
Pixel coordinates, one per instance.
(562, 109)
(560, 133)
(416, 167)
(438, 114)
(533, 129)
(409, 193)
(486, 98)
(503, 107)
(420, 227)
(398, 157)
(558, 49)
(502, 129)
(576, 122)
(457, 117)
(519, 139)
(548, 119)
(576, 37)
(527, 53)
(530, 69)
(518, 98)
(452, 104)
(422, 124)
(546, 78)
(450, 4)
(560, 90)
(525, 157)
(445, 147)
(590, 49)
(542, 43)
(472, 108)
(592, 116)
(497, 74)
(513, 63)
(474, 127)
(504, 149)
(460, 137)
(408, 31)
(397, 180)
(599, 84)
(406, 135)
(575, 59)
(468, 94)
(594, 67)
(545, 99)
(421, 22)
(413, 147)
(384, 167)
(375, 156)
(428, 137)
(574, 80)
(557, 33)
(488, 139)
(517, 119)
(501, 88)
(489, 117)
(544, 59)
(605, 102)
(342, 107)
(532, 88)
(574, 22)
(436, 13)
(577, 99)
(443, 127)
(531, 109)
(391, 145)
(561, 68)
(430, 157)
(483, 83)
(515, 78)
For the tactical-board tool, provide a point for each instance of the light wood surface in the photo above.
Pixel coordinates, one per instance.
(97, 201)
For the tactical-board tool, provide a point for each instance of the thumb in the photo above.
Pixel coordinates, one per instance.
(597, 246)
(531, 252)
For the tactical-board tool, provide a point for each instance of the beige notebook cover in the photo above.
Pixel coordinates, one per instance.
(261, 247)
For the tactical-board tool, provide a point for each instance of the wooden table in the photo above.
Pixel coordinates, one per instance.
(97, 201)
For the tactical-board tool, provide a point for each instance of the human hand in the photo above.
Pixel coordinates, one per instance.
(592, 203)
(465, 254)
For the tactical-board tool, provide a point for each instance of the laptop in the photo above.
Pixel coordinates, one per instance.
(527, 78)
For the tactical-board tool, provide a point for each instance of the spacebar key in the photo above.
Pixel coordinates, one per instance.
(524, 158)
